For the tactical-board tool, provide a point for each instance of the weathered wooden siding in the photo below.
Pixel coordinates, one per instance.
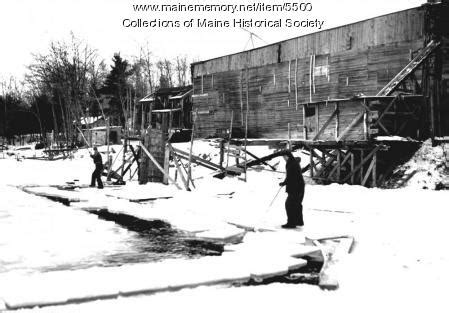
(396, 27)
(327, 121)
(274, 82)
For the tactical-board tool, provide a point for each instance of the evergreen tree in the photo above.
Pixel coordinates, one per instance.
(117, 86)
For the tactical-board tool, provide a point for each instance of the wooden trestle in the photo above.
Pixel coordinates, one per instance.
(354, 165)
(365, 163)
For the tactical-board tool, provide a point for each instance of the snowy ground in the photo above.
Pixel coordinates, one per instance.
(399, 262)
(427, 169)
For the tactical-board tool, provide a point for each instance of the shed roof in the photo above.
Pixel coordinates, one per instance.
(172, 93)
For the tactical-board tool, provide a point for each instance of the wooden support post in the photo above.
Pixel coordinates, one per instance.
(108, 143)
(337, 123)
(191, 148)
(338, 164)
(352, 168)
(229, 140)
(166, 165)
(222, 144)
(125, 145)
(374, 173)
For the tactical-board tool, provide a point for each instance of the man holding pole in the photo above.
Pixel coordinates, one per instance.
(96, 175)
(294, 183)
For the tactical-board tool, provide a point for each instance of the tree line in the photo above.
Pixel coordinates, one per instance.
(70, 82)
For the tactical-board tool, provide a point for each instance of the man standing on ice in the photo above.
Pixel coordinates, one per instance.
(294, 183)
(96, 175)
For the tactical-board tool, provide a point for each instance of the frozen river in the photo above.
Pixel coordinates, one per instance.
(39, 235)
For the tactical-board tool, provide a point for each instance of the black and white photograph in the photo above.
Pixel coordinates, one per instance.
(224, 156)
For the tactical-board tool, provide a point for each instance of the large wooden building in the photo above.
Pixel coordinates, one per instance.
(336, 92)
(287, 84)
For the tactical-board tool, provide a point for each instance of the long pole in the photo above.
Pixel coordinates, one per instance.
(272, 201)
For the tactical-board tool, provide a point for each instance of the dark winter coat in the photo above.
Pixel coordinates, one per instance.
(98, 161)
(294, 181)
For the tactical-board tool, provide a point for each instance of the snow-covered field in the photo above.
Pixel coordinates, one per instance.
(398, 264)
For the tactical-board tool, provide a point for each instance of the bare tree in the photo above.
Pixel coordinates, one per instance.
(168, 68)
(146, 62)
(181, 70)
(66, 74)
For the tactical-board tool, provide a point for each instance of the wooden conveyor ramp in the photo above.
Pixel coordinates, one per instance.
(409, 69)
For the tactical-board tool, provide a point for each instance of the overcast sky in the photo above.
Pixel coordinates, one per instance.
(28, 26)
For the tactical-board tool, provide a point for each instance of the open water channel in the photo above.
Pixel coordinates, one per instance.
(40, 235)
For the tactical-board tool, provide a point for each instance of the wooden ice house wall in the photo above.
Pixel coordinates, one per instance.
(277, 79)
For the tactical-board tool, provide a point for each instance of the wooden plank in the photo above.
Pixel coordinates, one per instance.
(266, 158)
(258, 159)
(189, 178)
(135, 154)
(363, 161)
(368, 173)
(350, 126)
(176, 160)
(346, 158)
(326, 124)
(409, 68)
(381, 116)
(320, 159)
(198, 160)
(328, 162)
